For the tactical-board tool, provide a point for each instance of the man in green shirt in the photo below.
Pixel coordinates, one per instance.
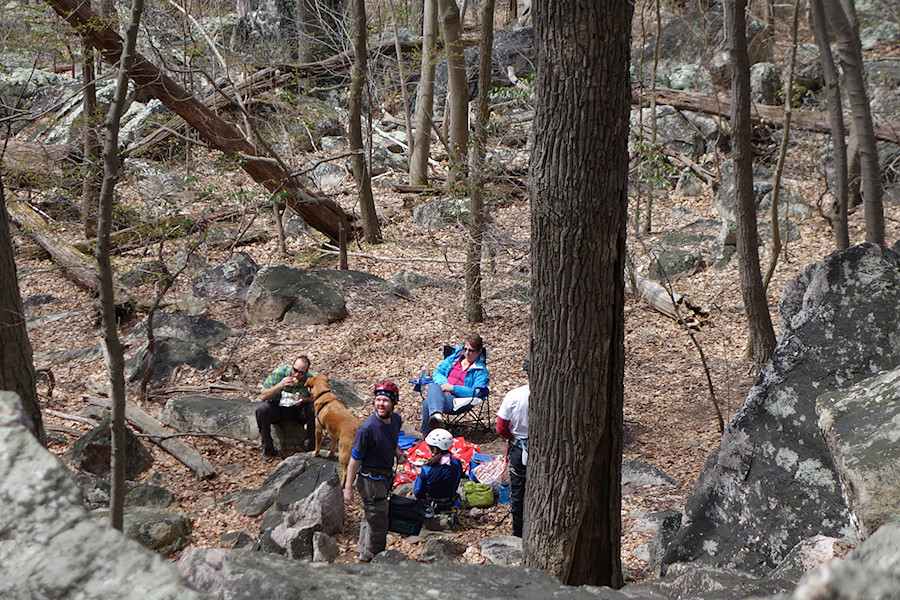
(286, 397)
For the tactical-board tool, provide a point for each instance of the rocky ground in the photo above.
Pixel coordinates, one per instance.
(669, 417)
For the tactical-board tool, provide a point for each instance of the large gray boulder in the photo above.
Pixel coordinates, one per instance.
(228, 281)
(50, 547)
(294, 297)
(91, 452)
(235, 417)
(861, 427)
(772, 482)
(162, 531)
(242, 574)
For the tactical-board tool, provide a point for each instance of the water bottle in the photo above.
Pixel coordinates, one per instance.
(504, 493)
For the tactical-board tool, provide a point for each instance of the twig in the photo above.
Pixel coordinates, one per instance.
(62, 415)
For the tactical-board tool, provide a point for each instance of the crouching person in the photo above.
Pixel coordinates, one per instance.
(371, 467)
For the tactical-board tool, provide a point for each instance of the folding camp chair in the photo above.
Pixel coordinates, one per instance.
(474, 411)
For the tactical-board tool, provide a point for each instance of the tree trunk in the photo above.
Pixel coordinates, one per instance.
(320, 213)
(849, 52)
(457, 90)
(416, 20)
(90, 189)
(112, 346)
(16, 365)
(762, 335)
(474, 308)
(418, 162)
(836, 113)
(358, 161)
(573, 500)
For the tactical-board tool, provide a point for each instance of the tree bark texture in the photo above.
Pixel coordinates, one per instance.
(320, 213)
(762, 334)
(579, 204)
(849, 53)
(112, 345)
(836, 114)
(90, 189)
(457, 90)
(16, 364)
(474, 307)
(371, 229)
(418, 162)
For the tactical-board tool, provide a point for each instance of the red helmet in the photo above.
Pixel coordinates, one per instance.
(389, 389)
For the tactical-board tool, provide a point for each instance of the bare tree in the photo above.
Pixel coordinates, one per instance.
(762, 334)
(457, 89)
(418, 161)
(782, 153)
(16, 366)
(90, 189)
(836, 114)
(371, 229)
(573, 492)
(112, 346)
(841, 18)
(474, 308)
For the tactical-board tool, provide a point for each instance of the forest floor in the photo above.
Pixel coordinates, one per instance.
(669, 419)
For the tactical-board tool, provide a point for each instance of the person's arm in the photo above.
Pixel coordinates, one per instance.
(401, 456)
(419, 485)
(480, 379)
(503, 428)
(443, 369)
(352, 468)
(268, 393)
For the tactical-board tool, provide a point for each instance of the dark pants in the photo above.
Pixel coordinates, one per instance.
(267, 414)
(516, 488)
(373, 528)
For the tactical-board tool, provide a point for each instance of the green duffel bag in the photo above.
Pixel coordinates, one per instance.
(478, 494)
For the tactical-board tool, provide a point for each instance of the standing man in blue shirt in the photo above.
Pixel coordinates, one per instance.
(372, 468)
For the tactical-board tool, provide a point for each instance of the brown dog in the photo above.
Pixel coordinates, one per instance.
(332, 415)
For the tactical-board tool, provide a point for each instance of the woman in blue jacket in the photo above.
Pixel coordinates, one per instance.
(438, 482)
(456, 377)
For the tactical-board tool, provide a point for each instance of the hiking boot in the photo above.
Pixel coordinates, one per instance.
(436, 421)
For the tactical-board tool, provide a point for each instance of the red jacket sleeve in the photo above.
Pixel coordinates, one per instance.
(503, 428)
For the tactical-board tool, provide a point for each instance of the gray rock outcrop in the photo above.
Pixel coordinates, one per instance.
(294, 297)
(91, 452)
(50, 547)
(773, 482)
(861, 427)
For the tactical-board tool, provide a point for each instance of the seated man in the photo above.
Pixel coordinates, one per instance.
(285, 396)
(456, 377)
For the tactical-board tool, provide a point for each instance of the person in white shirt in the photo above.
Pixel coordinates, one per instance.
(512, 424)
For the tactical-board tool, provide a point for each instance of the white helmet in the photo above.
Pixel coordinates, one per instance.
(440, 438)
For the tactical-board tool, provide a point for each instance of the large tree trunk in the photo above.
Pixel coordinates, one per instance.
(321, 213)
(418, 162)
(358, 160)
(112, 346)
(457, 89)
(762, 334)
(16, 366)
(849, 52)
(573, 500)
(836, 113)
(474, 309)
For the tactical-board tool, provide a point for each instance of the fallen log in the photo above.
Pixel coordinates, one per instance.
(160, 436)
(323, 214)
(79, 268)
(807, 120)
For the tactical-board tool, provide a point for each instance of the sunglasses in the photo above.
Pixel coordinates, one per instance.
(469, 349)
(298, 371)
